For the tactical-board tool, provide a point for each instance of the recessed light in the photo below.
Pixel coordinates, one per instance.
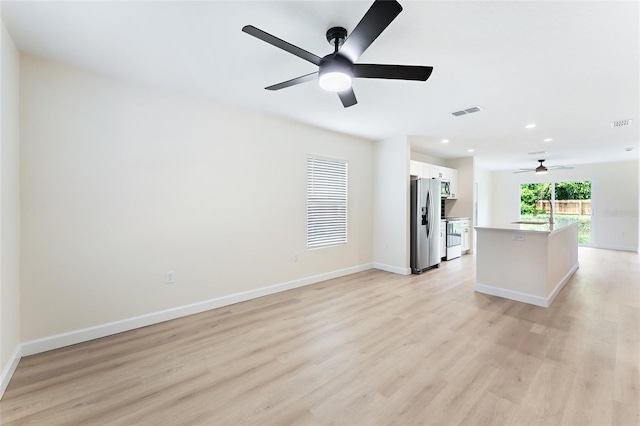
(530, 126)
(470, 150)
(445, 140)
(547, 140)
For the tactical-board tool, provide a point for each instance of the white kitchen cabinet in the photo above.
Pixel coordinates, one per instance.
(443, 238)
(420, 169)
(431, 171)
(453, 183)
(425, 170)
(436, 172)
(466, 236)
(414, 168)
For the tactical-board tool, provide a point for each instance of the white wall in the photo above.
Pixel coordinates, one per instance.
(121, 184)
(463, 205)
(484, 196)
(9, 210)
(418, 156)
(614, 194)
(391, 197)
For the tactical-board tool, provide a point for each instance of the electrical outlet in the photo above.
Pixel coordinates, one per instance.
(295, 257)
(170, 277)
(518, 237)
(386, 247)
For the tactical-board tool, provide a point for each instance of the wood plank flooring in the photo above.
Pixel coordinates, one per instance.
(372, 348)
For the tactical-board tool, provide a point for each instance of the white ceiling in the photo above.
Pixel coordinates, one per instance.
(570, 67)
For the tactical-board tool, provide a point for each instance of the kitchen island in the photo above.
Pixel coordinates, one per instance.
(526, 261)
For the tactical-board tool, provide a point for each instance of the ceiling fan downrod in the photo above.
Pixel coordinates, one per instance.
(336, 37)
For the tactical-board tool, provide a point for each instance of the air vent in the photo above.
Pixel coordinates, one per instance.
(472, 109)
(621, 123)
(467, 111)
(537, 152)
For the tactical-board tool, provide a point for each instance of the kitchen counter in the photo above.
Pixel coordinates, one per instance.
(530, 226)
(527, 262)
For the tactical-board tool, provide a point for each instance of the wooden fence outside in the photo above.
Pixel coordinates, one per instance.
(579, 207)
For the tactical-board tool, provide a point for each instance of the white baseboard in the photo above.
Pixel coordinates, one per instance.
(9, 369)
(394, 269)
(78, 336)
(511, 294)
(562, 283)
(618, 248)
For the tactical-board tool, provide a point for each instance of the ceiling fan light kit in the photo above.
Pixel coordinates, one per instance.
(542, 169)
(337, 70)
(335, 74)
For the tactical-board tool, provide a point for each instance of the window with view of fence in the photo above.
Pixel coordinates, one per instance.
(579, 207)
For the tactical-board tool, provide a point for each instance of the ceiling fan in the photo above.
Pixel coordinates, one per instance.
(542, 169)
(337, 69)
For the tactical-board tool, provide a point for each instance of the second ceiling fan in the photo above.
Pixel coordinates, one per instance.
(336, 70)
(542, 169)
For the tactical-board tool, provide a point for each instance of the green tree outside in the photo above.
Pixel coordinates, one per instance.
(532, 192)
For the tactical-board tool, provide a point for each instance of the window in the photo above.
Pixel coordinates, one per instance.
(326, 202)
(567, 201)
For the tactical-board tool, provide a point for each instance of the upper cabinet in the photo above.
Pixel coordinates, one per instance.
(453, 179)
(420, 169)
(431, 171)
(437, 172)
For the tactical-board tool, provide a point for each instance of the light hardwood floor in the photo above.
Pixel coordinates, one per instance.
(370, 348)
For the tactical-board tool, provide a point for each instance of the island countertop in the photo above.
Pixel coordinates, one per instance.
(529, 227)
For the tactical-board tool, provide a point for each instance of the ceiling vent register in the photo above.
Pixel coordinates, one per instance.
(621, 123)
(467, 111)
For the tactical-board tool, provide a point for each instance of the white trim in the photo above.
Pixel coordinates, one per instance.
(562, 283)
(511, 294)
(9, 369)
(545, 302)
(394, 269)
(78, 336)
(605, 247)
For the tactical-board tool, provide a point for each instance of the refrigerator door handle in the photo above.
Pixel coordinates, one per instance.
(428, 224)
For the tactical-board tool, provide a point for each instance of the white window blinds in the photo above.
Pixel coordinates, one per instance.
(326, 202)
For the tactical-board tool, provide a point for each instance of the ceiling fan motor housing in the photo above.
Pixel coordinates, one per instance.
(335, 73)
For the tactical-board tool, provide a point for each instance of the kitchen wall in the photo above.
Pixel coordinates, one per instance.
(614, 193)
(463, 205)
(418, 156)
(122, 183)
(391, 205)
(484, 181)
(9, 210)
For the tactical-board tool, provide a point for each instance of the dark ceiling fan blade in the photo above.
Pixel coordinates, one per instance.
(372, 24)
(275, 41)
(396, 72)
(294, 81)
(348, 97)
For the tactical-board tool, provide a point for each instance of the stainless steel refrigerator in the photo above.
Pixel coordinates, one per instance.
(425, 224)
